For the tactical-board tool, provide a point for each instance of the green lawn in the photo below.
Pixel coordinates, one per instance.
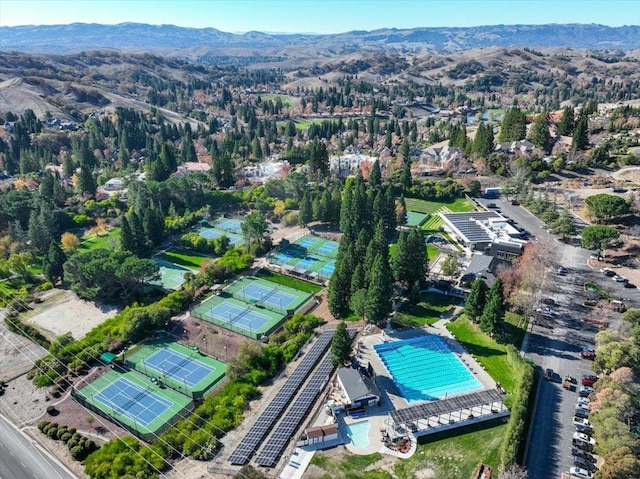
(487, 351)
(285, 101)
(427, 311)
(285, 280)
(424, 206)
(455, 454)
(183, 258)
(350, 467)
(432, 252)
(90, 242)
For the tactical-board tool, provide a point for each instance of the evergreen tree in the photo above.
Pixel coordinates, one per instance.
(404, 150)
(39, 232)
(405, 176)
(305, 216)
(564, 225)
(581, 134)
(53, 264)
(85, 183)
(375, 177)
(357, 280)
(139, 238)
(539, 133)
(493, 312)
(127, 241)
(338, 296)
(340, 345)
(567, 122)
(401, 211)
(325, 213)
(168, 160)
(401, 262)
(514, 125)
(483, 141)
(153, 226)
(476, 299)
(378, 305)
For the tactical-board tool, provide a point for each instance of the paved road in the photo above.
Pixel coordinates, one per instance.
(555, 343)
(21, 459)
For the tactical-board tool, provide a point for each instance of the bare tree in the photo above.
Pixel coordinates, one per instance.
(514, 471)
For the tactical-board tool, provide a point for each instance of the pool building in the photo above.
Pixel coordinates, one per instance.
(358, 389)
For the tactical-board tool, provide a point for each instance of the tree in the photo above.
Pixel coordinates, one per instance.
(255, 231)
(341, 345)
(514, 125)
(493, 312)
(450, 266)
(581, 135)
(483, 141)
(566, 124)
(476, 299)
(70, 242)
(40, 229)
(53, 264)
(514, 471)
(127, 241)
(598, 238)
(564, 225)
(379, 292)
(85, 183)
(621, 463)
(339, 288)
(358, 303)
(539, 132)
(306, 214)
(605, 207)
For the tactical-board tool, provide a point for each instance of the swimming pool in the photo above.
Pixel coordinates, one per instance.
(358, 433)
(425, 369)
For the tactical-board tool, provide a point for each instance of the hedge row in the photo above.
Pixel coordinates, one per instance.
(515, 435)
(79, 446)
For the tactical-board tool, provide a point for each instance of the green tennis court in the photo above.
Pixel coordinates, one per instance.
(179, 367)
(416, 219)
(171, 274)
(134, 402)
(277, 298)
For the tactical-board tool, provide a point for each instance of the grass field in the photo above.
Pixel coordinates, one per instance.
(491, 354)
(285, 101)
(285, 280)
(432, 252)
(184, 258)
(427, 311)
(90, 242)
(423, 206)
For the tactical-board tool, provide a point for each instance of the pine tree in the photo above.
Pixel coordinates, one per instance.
(85, 184)
(127, 241)
(357, 280)
(53, 264)
(514, 125)
(139, 237)
(492, 315)
(153, 226)
(338, 297)
(539, 133)
(581, 134)
(375, 177)
(476, 299)
(566, 124)
(378, 305)
(340, 345)
(405, 176)
(305, 216)
(483, 141)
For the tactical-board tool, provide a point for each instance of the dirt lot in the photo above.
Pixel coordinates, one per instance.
(17, 353)
(62, 311)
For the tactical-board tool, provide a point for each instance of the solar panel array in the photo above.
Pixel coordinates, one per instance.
(279, 403)
(272, 450)
(465, 223)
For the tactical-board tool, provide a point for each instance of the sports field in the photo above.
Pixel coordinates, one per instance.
(177, 366)
(134, 402)
(311, 256)
(171, 274)
(252, 307)
(212, 233)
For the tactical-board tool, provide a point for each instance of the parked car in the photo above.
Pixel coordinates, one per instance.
(582, 412)
(491, 205)
(585, 391)
(581, 473)
(562, 270)
(608, 272)
(581, 421)
(589, 379)
(584, 464)
(585, 446)
(583, 402)
(629, 285)
(548, 374)
(584, 429)
(515, 202)
(619, 279)
(588, 353)
(547, 312)
(575, 452)
(584, 437)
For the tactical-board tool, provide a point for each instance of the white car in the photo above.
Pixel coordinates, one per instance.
(546, 312)
(581, 473)
(585, 391)
(619, 279)
(581, 421)
(584, 437)
(583, 402)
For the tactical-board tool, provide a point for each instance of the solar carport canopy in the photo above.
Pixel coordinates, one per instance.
(466, 224)
(445, 406)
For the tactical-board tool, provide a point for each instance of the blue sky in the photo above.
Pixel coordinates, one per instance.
(319, 16)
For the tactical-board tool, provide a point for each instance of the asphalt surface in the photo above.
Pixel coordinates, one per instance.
(20, 458)
(555, 342)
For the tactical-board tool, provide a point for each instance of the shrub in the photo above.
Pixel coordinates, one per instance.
(42, 425)
(65, 437)
(51, 410)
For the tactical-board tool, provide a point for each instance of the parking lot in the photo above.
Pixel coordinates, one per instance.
(555, 342)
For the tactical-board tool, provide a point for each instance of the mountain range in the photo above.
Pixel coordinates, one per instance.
(174, 40)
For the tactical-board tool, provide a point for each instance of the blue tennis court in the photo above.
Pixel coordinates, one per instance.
(133, 401)
(238, 316)
(327, 270)
(306, 263)
(306, 242)
(267, 295)
(178, 366)
(328, 249)
(212, 233)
